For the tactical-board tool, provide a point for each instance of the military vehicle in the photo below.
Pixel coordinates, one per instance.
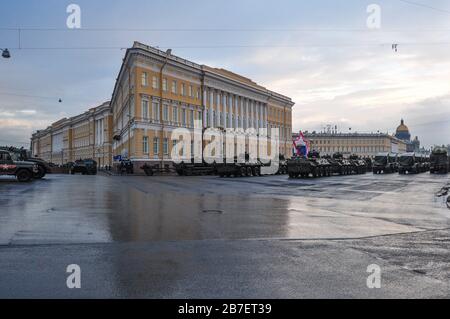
(345, 165)
(359, 166)
(239, 168)
(385, 163)
(191, 168)
(368, 163)
(21, 154)
(22, 170)
(85, 167)
(282, 165)
(439, 161)
(314, 165)
(410, 163)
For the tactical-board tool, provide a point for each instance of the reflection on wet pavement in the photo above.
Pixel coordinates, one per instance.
(98, 209)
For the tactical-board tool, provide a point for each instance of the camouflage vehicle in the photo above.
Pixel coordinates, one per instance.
(439, 161)
(345, 165)
(300, 166)
(385, 163)
(359, 165)
(21, 154)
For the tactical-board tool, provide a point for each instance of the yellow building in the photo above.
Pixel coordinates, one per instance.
(88, 135)
(360, 144)
(157, 92)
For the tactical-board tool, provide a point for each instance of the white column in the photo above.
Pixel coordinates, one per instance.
(257, 115)
(219, 96)
(225, 110)
(266, 113)
(211, 103)
(236, 106)
(205, 96)
(246, 113)
(230, 111)
(241, 124)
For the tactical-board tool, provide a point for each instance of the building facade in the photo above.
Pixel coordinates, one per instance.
(88, 135)
(157, 92)
(365, 145)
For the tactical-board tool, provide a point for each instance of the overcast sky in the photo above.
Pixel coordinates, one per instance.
(320, 53)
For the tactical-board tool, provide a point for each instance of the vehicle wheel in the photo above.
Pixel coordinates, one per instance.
(24, 175)
(243, 171)
(248, 171)
(41, 173)
(72, 173)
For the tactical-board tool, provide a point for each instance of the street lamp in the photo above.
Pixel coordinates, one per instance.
(5, 53)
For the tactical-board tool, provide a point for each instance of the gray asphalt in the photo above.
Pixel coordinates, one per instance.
(207, 237)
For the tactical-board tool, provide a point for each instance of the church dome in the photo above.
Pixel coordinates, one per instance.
(403, 132)
(402, 127)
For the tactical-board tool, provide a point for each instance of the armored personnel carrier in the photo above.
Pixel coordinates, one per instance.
(439, 161)
(238, 168)
(314, 165)
(359, 166)
(345, 165)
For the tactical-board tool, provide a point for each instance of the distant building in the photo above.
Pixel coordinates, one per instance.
(403, 134)
(88, 135)
(361, 144)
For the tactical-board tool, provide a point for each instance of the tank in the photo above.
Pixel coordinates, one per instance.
(439, 161)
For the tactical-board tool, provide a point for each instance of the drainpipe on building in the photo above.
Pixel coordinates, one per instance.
(168, 53)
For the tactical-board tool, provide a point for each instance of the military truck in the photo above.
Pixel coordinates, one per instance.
(410, 163)
(23, 171)
(21, 154)
(439, 161)
(385, 163)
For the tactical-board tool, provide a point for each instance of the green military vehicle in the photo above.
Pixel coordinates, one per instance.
(314, 165)
(23, 171)
(439, 161)
(385, 163)
(410, 163)
(359, 165)
(21, 154)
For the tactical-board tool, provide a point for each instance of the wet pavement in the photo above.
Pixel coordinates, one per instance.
(206, 237)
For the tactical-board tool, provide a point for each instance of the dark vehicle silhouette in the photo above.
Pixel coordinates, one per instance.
(23, 171)
(21, 154)
(439, 161)
(85, 167)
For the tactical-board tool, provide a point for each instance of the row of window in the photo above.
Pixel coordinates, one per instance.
(364, 142)
(185, 90)
(354, 149)
(155, 113)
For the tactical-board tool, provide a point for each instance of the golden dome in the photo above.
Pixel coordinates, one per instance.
(402, 127)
